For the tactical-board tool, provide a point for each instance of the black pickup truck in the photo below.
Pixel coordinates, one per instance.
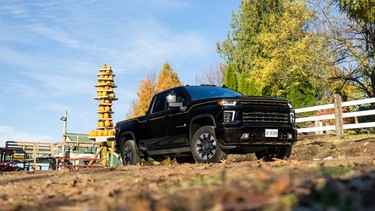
(205, 123)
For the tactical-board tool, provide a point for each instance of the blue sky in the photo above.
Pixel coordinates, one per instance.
(50, 53)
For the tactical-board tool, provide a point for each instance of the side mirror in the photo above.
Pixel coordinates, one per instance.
(172, 102)
(171, 98)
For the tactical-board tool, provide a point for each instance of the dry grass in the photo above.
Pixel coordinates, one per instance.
(321, 174)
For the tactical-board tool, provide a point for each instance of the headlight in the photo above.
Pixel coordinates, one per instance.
(228, 116)
(292, 117)
(292, 114)
(228, 103)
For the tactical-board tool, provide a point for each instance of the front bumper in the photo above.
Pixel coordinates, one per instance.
(255, 135)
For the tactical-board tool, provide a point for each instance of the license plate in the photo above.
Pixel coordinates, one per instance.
(271, 133)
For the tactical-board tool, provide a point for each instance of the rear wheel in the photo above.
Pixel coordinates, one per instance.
(278, 152)
(129, 153)
(205, 147)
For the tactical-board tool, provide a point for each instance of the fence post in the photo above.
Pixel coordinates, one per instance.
(338, 116)
(318, 123)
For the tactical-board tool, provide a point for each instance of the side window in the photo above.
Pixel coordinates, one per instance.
(159, 104)
(181, 97)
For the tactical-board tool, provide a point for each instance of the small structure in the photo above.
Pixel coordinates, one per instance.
(25, 153)
(77, 150)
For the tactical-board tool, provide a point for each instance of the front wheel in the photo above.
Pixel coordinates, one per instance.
(279, 152)
(129, 153)
(205, 147)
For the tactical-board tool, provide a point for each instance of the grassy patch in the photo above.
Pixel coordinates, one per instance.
(327, 198)
(336, 170)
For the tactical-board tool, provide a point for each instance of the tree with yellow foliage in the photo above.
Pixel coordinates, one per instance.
(167, 78)
(272, 52)
(145, 93)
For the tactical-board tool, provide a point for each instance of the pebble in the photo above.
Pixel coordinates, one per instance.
(329, 158)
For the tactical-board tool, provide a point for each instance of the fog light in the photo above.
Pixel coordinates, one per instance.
(289, 136)
(245, 136)
(292, 118)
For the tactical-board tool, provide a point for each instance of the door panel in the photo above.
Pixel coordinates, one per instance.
(167, 127)
(154, 127)
(176, 127)
(154, 131)
(175, 122)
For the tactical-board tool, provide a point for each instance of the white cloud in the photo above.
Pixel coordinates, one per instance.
(140, 44)
(53, 51)
(151, 43)
(57, 84)
(53, 106)
(15, 57)
(56, 35)
(19, 88)
(15, 10)
(152, 6)
(11, 134)
(47, 62)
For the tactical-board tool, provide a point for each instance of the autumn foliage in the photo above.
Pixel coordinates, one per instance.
(144, 95)
(167, 78)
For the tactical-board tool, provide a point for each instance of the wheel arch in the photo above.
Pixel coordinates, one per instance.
(128, 135)
(200, 121)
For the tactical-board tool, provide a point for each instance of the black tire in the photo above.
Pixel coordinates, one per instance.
(129, 153)
(278, 152)
(205, 147)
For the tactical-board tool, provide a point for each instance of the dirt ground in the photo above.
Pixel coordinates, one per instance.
(322, 174)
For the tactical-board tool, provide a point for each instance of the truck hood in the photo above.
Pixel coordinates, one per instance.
(134, 120)
(258, 98)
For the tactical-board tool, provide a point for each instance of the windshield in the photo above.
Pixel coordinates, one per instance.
(202, 92)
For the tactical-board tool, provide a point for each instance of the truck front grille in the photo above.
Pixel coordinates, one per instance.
(265, 112)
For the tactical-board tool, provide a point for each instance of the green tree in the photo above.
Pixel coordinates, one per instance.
(230, 79)
(272, 52)
(241, 45)
(363, 10)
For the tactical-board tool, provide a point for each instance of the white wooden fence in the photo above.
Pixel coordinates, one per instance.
(337, 116)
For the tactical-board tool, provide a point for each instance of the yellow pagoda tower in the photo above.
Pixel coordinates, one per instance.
(105, 133)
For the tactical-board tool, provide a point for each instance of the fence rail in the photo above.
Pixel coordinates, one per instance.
(338, 116)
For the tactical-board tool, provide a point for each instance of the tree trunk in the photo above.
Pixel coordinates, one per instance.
(372, 79)
(370, 44)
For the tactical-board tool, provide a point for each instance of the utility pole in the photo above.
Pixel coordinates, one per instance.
(64, 119)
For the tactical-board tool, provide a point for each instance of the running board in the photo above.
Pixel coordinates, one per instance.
(169, 151)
